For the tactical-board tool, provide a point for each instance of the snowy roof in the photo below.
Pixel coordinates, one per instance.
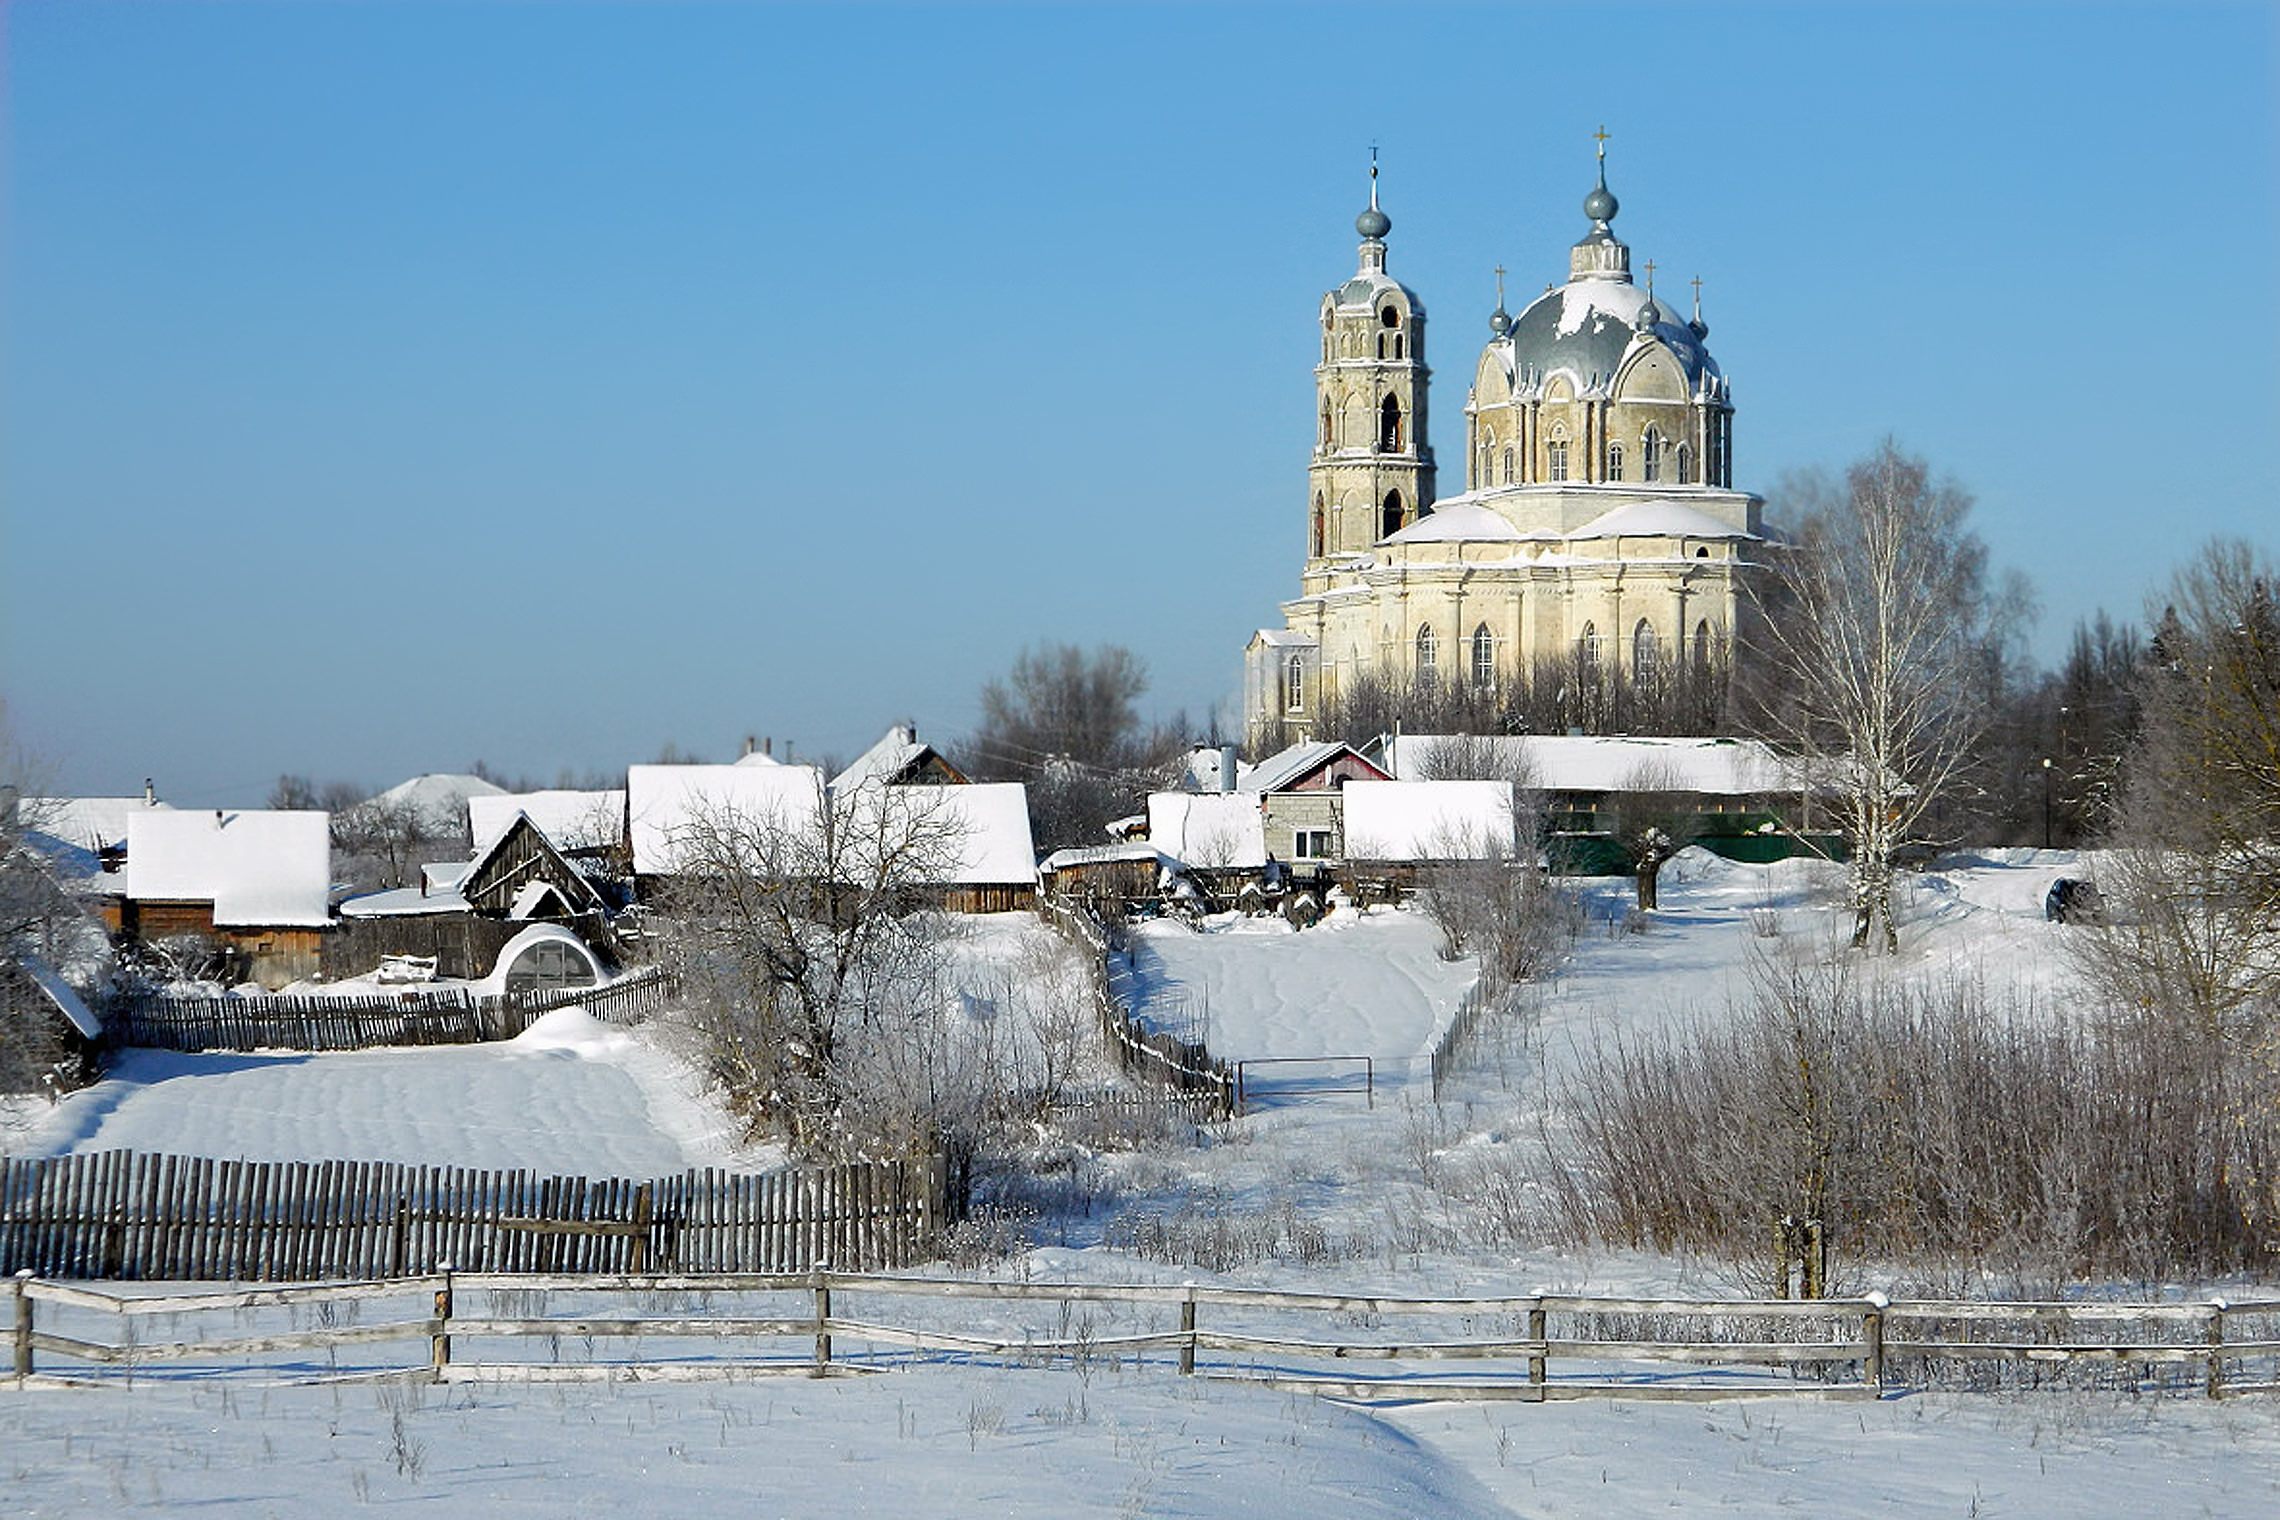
(445, 875)
(1427, 820)
(666, 803)
(1201, 771)
(259, 868)
(1283, 767)
(91, 823)
(1658, 519)
(1460, 522)
(887, 761)
(404, 902)
(59, 992)
(573, 820)
(1283, 636)
(758, 757)
(440, 798)
(1208, 829)
(1566, 763)
(1099, 855)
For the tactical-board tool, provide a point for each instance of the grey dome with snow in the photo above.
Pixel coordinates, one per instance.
(1586, 328)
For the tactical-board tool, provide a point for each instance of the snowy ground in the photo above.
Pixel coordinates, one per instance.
(1318, 1192)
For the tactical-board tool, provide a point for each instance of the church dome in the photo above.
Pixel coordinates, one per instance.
(1586, 327)
(1373, 223)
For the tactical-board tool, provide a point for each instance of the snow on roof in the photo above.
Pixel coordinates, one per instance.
(995, 846)
(1201, 771)
(896, 752)
(260, 868)
(1458, 522)
(1428, 820)
(440, 798)
(90, 823)
(757, 757)
(404, 902)
(1282, 636)
(1571, 763)
(533, 897)
(1658, 519)
(1208, 829)
(445, 875)
(667, 802)
(1287, 765)
(59, 992)
(573, 820)
(1099, 855)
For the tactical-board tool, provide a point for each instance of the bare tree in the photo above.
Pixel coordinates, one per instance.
(1654, 816)
(1881, 619)
(1067, 723)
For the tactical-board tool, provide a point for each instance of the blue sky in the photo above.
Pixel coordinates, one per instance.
(389, 386)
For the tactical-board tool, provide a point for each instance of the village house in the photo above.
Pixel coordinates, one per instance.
(256, 882)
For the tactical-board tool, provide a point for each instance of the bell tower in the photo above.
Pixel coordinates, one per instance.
(1372, 472)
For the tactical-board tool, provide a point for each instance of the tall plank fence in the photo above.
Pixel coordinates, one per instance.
(1145, 1055)
(474, 1327)
(316, 1022)
(137, 1216)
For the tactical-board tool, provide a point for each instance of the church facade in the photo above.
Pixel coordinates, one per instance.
(1599, 533)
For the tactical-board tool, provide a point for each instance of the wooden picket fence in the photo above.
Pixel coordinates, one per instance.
(1143, 1054)
(315, 1022)
(137, 1216)
(457, 1326)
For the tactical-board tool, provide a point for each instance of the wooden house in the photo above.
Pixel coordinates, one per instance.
(257, 881)
(1299, 810)
(463, 914)
(900, 758)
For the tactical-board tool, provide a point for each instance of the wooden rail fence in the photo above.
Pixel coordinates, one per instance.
(464, 1326)
(143, 1217)
(314, 1021)
(1141, 1053)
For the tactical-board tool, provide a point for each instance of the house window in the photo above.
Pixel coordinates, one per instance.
(1483, 658)
(1389, 520)
(1425, 644)
(1645, 651)
(1614, 461)
(1555, 459)
(1312, 844)
(1294, 683)
(1650, 456)
(1389, 426)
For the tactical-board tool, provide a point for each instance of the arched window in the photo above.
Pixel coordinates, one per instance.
(1487, 451)
(1685, 465)
(1389, 426)
(1703, 651)
(1483, 658)
(1587, 654)
(1326, 424)
(1389, 520)
(1555, 456)
(1294, 683)
(1614, 460)
(1381, 345)
(1316, 536)
(1508, 467)
(1650, 455)
(1646, 651)
(1425, 674)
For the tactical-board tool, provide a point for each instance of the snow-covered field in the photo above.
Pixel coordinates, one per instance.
(954, 1440)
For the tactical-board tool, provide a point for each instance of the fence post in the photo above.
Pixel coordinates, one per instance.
(1538, 1359)
(23, 1324)
(1369, 1081)
(439, 1339)
(821, 1278)
(1872, 1337)
(642, 1210)
(1187, 1330)
(2217, 1307)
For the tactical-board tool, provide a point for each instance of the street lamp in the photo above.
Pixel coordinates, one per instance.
(2046, 801)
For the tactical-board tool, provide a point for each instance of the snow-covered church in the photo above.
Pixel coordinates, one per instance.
(1599, 529)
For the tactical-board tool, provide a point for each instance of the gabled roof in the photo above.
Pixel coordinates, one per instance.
(88, 823)
(574, 820)
(667, 805)
(1593, 763)
(1298, 761)
(520, 857)
(897, 758)
(1211, 830)
(58, 992)
(259, 868)
(959, 836)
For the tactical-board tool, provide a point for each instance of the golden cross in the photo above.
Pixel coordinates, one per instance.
(1500, 284)
(1650, 277)
(1698, 295)
(1601, 134)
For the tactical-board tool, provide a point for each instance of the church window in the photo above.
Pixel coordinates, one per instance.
(1391, 317)
(1508, 467)
(1325, 422)
(1685, 465)
(1315, 537)
(1390, 522)
(1397, 345)
(1425, 650)
(1381, 345)
(1646, 650)
(1294, 683)
(1555, 459)
(1587, 654)
(1702, 650)
(1483, 658)
(1389, 426)
(1650, 455)
(1614, 461)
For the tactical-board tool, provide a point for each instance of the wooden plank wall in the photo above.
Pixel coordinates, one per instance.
(142, 1217)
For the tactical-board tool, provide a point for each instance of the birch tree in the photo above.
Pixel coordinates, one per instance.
(1880, 618)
